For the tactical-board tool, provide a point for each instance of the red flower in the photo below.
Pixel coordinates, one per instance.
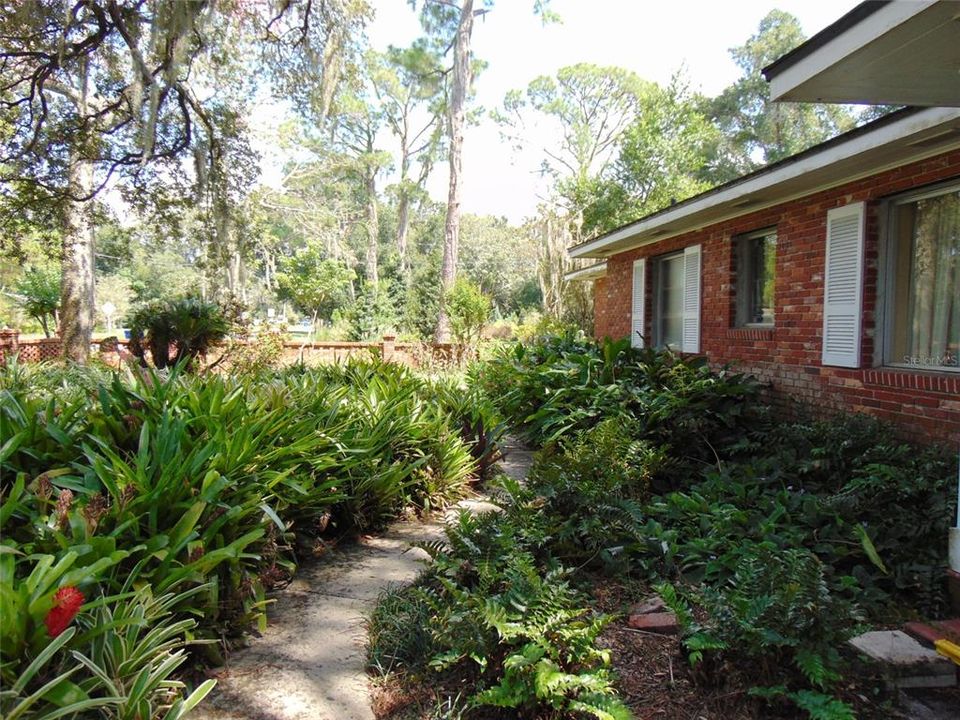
(66, 605)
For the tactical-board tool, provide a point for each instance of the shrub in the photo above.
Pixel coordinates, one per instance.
(776, 612)
(592, 492)
(255, 353)
(481, 427)
(515, 631)
(468, 309)
(826, 486)
(373, 314)
(39, 291)
(189, 325)
(563, 384)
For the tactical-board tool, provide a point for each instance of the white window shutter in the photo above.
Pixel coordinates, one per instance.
(843, 286)
(691, 300)
(637, 318)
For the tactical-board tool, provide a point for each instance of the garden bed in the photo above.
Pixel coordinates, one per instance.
(770, 540)
(147, 518)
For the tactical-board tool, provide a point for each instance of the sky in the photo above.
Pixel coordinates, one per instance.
(654, 38)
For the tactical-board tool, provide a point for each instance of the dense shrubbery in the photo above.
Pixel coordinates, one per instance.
(155, 510)
(562, 384)
(774, 541)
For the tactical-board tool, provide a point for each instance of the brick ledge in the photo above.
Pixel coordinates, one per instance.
(750, 333)
(914, 380)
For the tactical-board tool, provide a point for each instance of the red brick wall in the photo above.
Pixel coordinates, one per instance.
(35, 350)
(925, 404)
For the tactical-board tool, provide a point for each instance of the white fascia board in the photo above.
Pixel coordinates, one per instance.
(906, 126)
(863, 33)
(591, 272)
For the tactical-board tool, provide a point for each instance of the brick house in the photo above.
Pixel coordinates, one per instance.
(834, 274)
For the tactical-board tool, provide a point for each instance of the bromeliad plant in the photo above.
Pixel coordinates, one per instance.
(197, 488)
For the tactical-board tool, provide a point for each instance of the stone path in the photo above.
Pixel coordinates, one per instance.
(310, 663)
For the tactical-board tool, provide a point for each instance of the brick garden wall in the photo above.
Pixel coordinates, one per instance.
(36, 350)
(411, 354)
(925, 404)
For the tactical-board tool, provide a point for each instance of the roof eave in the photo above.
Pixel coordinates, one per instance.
(734, 199)
(591, 272)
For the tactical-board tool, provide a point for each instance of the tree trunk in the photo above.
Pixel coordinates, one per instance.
(460, 86)
(403, 227)
(403, 205)
(77, 279)
(373, 275)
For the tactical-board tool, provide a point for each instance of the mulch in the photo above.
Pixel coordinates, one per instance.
(655, 680)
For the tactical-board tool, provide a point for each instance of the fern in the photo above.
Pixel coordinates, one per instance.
(817, 705)
(813, 663)
(602, 707)
(821, 707)
(700, 642)
(515, 624)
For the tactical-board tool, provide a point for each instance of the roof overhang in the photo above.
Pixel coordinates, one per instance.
(591, 272)
(897, 139)
(880, 53)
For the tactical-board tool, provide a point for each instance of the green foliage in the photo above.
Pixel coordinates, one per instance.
(315, 284)
(481, 426)
(39, 288)
(826, 486)
(373, 314)
(514, 627)
(664, 156)
(193, 487)
(570, 102)
(398, 632)
(747, 118)
(778, 534)
(66, 381)
(468, 309)
(817, 705)
(118, 659)
(560, 384)
(592, 490)
(189, 325)
(776, 610)
(501, 260)
(422, 306)
(255, 353)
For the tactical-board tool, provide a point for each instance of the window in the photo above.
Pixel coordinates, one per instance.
(756, 260)
(676, 300)
(668, 330)
(923, 280)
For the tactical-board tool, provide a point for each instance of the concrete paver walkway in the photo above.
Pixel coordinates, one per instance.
(310, 663)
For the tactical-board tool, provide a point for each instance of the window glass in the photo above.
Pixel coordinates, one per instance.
(756, 278)
(670, 301)
(925, 312)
